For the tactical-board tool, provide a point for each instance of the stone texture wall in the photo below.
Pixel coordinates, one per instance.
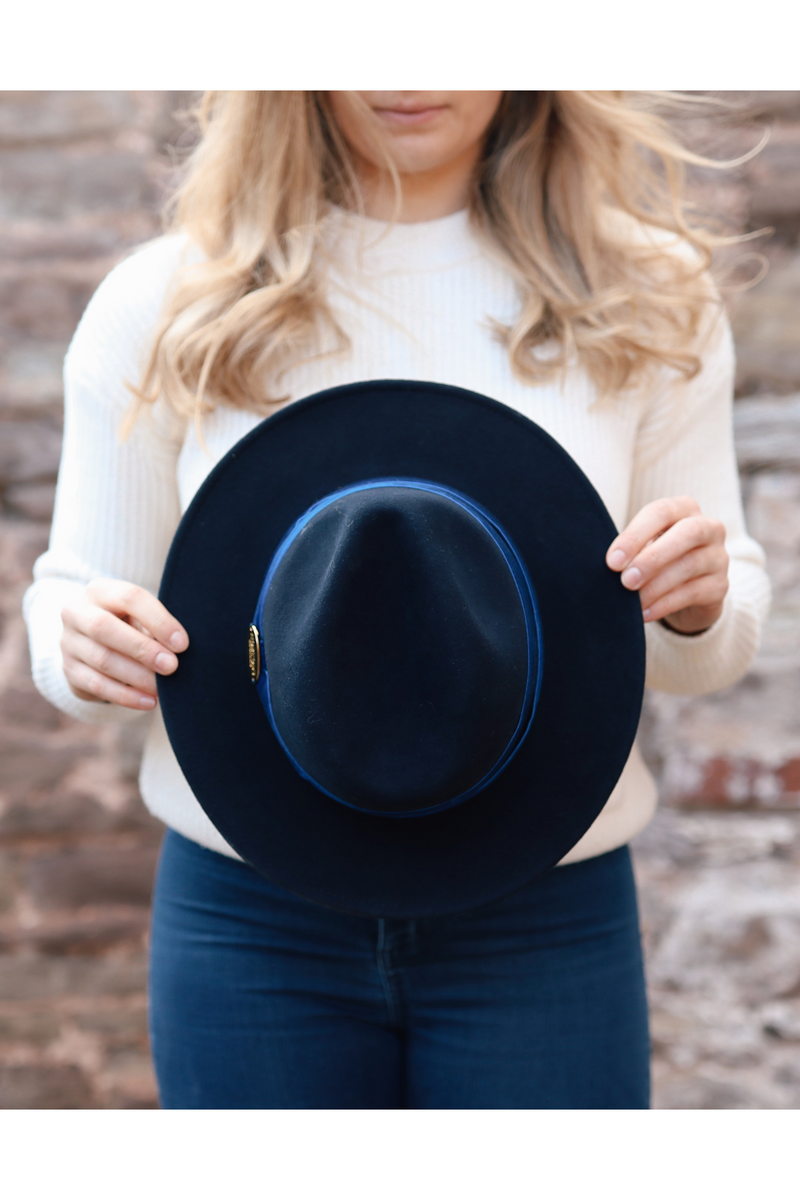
(718, 868)
(81, 180)
(82, 175)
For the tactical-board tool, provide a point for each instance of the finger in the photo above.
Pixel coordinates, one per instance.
(85, 679)
(109, 662)
(649, 523)
(104, 627)
(685, 536)
(708, 561)
(130, 600)
(705, 592)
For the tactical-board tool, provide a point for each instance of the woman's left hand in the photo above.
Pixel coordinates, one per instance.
(675, 558)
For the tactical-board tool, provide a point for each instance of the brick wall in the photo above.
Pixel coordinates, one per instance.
(81, 180)
(82, 175)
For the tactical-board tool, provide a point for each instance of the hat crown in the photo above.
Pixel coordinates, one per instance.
(399, 646)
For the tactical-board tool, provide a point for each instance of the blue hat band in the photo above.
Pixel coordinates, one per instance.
(529, 647)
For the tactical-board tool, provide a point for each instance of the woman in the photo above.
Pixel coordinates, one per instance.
(528, 246)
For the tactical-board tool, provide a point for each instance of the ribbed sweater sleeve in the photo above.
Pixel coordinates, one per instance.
(685, 446)
(117, 502)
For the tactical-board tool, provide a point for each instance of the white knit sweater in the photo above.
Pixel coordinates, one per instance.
(416, 301)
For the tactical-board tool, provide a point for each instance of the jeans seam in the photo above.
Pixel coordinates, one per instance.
(385, 973)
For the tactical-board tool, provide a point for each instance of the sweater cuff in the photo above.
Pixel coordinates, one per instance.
(708, 661)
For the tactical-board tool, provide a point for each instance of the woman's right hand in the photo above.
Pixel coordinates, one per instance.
(115, 640)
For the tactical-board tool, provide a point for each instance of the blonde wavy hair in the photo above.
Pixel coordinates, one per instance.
(582, 194)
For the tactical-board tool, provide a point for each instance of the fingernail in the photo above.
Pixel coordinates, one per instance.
(166, 662)
(632, 577)
(147, 701)
(616, 560)
(646, 614)
(179, 641)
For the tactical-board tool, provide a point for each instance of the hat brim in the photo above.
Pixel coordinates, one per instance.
(593, 640)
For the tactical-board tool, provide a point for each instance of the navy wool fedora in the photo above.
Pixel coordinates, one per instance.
(412, 681)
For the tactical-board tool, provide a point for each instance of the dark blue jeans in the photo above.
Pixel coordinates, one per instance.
(259, 999)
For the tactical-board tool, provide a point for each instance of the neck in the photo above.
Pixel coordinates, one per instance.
(425, 195)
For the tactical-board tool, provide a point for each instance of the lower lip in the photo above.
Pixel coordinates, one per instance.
(396, 116)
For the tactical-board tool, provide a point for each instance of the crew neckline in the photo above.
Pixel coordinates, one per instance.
(348, 214)
(442, 241)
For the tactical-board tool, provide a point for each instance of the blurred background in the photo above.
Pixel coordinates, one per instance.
(82, 179)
